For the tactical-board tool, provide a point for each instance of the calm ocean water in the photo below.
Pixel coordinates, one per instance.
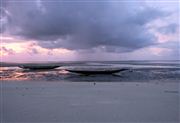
(145, 71)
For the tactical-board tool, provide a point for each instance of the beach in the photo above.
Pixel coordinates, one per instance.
(81, 102)
(147, 92)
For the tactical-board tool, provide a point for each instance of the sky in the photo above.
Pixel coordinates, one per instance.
(44, 30)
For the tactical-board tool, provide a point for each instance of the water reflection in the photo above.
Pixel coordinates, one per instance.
(60, 74)
(11, 74)
(21, 74)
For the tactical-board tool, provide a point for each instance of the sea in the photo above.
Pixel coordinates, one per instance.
(137, 71)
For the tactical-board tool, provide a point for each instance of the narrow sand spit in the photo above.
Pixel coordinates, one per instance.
(49, 102)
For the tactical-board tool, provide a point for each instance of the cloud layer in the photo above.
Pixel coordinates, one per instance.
(88, 30)
(114, 27)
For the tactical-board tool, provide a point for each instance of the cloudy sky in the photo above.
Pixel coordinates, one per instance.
(44, 30)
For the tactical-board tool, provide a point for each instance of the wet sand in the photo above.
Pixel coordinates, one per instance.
(89, 102)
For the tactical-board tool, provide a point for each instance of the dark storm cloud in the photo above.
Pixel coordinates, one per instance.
(4, 19)
(169, 29)
(118, 27)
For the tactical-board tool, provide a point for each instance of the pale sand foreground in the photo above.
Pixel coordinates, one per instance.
(48, 102)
